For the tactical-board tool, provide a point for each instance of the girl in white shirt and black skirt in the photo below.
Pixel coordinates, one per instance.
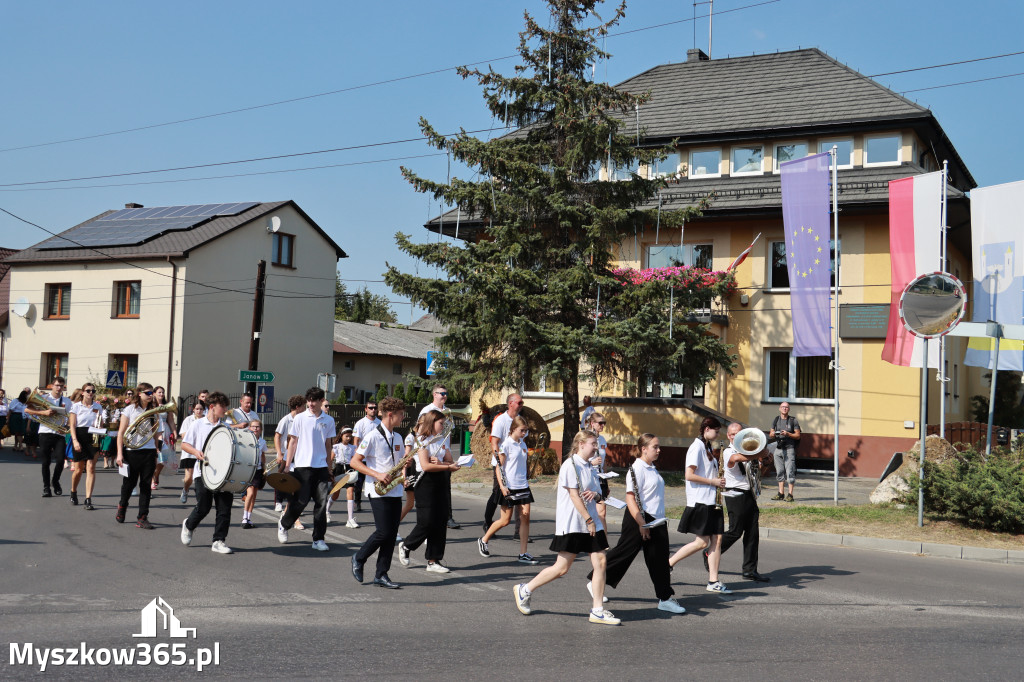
(703, 517)
(577, 529)
(515, 490)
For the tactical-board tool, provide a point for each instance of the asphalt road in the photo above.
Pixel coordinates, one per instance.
(286, 612)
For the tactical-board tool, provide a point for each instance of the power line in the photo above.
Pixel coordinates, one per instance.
(940, 66)
(976, 80)
(346, 89)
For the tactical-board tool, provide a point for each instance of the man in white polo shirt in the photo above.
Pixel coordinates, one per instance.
(440, 399)
(244, 414)
(378, 453)
(312, 435)
(192, 444)
(364, 426)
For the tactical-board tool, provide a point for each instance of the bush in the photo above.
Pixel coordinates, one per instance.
(400, 392)
(382, 392)
(974, 491)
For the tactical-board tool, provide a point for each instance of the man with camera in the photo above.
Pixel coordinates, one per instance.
(785, 433)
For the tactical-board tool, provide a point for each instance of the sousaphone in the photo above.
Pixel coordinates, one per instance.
(750, 441)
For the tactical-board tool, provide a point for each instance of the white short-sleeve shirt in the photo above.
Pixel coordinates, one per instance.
(428, 408)
(575, 473)
(343, 453)
(63, 402)
(381, 453)
(734, 478)
(696, 456)
(602, 452)
(363, 427)
(86, 416)
(515, 463)
(132, 413)
(651, 485)
(196, 436)
(246, 417)
(311, 433)
(283, 427)
(433, 450)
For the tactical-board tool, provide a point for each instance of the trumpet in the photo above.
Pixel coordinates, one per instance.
(57, 422)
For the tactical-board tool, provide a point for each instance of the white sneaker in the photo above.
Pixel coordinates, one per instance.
(590, 589)
(670, 605)
(282, 534)
(718, 587)
(522, 599)
(403, 554)
(220, 548)
(437, 567)
(278, 507)
(320, 546)
(351, 523)
(329, 515)
(186, 534)
(603, 617)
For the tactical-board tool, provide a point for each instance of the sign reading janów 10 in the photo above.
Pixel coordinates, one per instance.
(248, 375)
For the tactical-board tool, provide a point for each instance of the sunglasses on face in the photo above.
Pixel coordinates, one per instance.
(600, 423)
(89, 390)
(146, 393)
(441, 393)
(371, 408)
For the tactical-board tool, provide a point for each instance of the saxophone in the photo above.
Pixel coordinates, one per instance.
(142, 430)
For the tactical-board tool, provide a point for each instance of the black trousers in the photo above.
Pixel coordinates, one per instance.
(743, 520)
(205, 499)
(387, 512)
(315, 483)
(433, 500)
(655, 551)
(494, 500)
(141, 465)
(52, 446)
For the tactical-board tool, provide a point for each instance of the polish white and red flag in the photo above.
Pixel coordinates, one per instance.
(915, 236)
(743, 256)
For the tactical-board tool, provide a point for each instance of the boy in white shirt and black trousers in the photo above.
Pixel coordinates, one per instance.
(312, 435)
(742, 507)
(192, 444)
(51, 444)
(378, 453)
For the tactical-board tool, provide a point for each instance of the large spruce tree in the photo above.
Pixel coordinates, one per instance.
(522, 291)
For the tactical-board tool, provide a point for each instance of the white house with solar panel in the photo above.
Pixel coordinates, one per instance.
(165, 295)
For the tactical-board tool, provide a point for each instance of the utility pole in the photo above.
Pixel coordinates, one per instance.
(257, 323)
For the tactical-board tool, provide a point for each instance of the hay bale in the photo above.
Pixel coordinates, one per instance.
(480, 443)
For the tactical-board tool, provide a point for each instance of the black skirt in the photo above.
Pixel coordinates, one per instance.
(580, 543)
(702, 519)
(517, 496)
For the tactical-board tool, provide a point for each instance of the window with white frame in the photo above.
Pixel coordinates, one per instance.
(537, 381)
(667, 255)
(789, 152)
(747, 160)
(626, 171)
(844, 150)
(705, 163)
(668, 166)
(882, 150)
(778, 273)
(794, 379)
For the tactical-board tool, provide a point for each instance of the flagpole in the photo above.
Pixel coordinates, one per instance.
(834, 153)
(942, 340)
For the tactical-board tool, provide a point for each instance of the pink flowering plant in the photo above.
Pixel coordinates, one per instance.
(720, 282)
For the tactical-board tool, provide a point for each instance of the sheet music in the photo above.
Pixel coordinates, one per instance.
(614, 503)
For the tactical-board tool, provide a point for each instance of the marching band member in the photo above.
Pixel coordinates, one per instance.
(187, 461)
(742, 507)
(141, 462)
(312, 434)
(702, 517)
(576, 529)
(364, 426)
(193, 444)
(596, 423)
(343, 452)
(257, 482)
(81, 417)
(281, 438)
(244, 413)
(515, 491)
(3, 414)
(16, 420)
(499, 432)
(51, 443)
(164, 439)
(378, 453)
(203, 394)
(434, 463)
(438, 401)
(645, 502)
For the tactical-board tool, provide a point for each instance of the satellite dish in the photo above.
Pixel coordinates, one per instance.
(21, 307)
(273, 224)
(932, 304)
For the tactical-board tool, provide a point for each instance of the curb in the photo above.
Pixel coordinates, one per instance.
(934, 549)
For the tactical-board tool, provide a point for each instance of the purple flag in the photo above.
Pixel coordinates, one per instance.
(805, 216)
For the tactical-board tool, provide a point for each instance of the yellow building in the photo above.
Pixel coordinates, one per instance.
(734, 121)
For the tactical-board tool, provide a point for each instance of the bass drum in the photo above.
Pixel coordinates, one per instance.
(232, 459)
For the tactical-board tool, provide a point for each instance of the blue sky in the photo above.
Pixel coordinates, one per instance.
(74, 69)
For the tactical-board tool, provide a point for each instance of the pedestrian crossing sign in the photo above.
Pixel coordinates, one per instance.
(115, 379)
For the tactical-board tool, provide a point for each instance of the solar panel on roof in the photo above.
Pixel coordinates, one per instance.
(133, 226)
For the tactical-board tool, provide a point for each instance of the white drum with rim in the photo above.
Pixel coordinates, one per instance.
(232, 459)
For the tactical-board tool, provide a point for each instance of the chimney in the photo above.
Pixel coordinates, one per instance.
(134, 206)
(696, 55)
